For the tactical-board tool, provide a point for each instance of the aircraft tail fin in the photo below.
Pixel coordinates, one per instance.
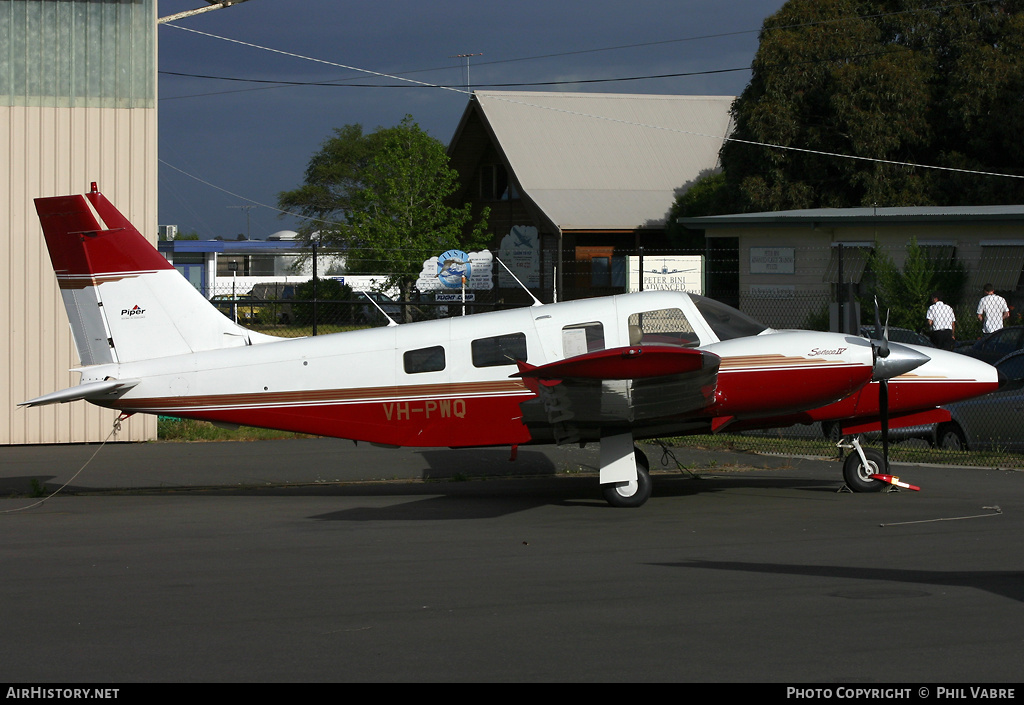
(125, 301)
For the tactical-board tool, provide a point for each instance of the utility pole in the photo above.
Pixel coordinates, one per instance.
(246, 209)
(466, 57)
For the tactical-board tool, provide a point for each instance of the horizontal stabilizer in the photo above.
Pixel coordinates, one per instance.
(634, 362)
(91, 391)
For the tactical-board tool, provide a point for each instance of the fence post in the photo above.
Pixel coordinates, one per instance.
(314, 286)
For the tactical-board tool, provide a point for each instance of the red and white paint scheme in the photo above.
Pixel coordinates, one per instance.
(608, 370)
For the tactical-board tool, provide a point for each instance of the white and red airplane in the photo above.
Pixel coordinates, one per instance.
(609, 370)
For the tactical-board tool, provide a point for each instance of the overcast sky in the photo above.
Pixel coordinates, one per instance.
(226, 145)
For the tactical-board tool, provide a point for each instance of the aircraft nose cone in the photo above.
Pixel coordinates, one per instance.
(900, 360)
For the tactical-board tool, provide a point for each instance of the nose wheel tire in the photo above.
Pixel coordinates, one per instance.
(858, 475)
(630, 494)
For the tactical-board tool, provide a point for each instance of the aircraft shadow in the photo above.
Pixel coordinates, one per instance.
(1003, 583)
(500, 497)
(464, 490)
(485, 462)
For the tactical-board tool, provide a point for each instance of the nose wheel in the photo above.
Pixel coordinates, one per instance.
(860, 465)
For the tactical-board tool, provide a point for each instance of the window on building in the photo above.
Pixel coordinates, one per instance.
(598, 267)
(494, 183)
(499, 350)
(1000, 265)
(232, 265)
(854, 259)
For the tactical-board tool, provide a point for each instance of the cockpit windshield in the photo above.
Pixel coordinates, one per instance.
(727, 322)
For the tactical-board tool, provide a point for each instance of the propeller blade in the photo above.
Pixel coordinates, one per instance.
(881, 336)
(883, 409)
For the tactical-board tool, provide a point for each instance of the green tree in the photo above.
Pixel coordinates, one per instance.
(329, 309)
(905, 293)
(705, 195)
(881, 80)
(383, 198)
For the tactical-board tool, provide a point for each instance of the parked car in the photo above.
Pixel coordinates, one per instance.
(991, 422)
(995, 345)
(271, 294)
(242, 307)
(900, 335)
(366, 312)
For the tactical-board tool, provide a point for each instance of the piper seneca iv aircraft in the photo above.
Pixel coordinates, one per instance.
(607, 370)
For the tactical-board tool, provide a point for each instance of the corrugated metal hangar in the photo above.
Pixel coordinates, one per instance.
(77, 105)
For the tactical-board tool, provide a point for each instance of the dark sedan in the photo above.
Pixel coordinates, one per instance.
(991, 422)
(900, 335)
(995, 345)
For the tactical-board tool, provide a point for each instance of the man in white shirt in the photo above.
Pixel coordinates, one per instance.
(943, 323)
(992, 310)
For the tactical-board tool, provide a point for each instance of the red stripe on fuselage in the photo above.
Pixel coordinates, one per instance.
(449, 422)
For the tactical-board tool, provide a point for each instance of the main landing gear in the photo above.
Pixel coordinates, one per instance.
(625, 472)
(631, 493)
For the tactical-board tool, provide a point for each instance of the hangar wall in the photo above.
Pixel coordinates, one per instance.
(77, 105)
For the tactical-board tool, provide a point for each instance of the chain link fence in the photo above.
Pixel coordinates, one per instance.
(817, 291)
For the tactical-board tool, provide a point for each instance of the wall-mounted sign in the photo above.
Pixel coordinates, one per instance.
(772, 260)
(667, 273)
(479, 273)
(779, 291)
(454, 269)
(520, 252)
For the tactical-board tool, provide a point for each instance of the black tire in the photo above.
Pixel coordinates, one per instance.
(858, 477)
(950, 436)
(631, 494)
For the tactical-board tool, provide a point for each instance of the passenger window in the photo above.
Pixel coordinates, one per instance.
(499, 350)
(667, 326)
(424, 360)
(582, 338)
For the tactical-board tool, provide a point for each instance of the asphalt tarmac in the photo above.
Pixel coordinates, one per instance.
(317, 560)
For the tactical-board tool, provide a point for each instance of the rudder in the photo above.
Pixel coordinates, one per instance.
(124, 300)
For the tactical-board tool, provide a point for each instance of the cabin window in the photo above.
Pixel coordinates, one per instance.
(424, 360)
(582, 338)
(499, 350)
(666, 326)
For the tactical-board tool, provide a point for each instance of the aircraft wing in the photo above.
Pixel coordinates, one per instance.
(610, 391)
(92, 391)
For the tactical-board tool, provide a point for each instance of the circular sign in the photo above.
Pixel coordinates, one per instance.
(452, 267)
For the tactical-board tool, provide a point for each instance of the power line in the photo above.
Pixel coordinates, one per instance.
(598, 117)
(411, 83)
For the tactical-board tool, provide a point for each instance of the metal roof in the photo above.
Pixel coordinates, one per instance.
(238, 247)
(861, 216)
(605, 161)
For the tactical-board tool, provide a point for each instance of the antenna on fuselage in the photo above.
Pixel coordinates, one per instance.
(536, 302)
(391, 321)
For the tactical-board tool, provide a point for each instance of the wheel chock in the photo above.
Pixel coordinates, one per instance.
(895, 481)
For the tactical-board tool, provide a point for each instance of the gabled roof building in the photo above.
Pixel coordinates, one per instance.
(584, 177)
